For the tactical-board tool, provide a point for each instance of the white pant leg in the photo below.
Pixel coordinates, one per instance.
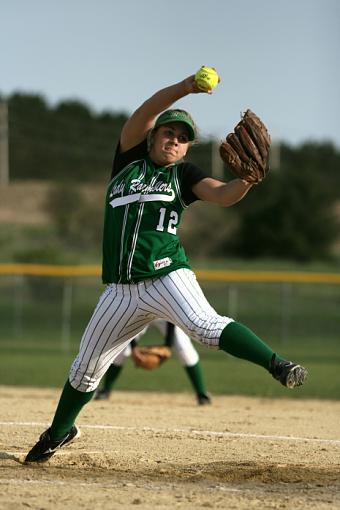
(123, 311)
(177, 297)
(126, 353)
(120, 360)
(186, 352)
(115, 321)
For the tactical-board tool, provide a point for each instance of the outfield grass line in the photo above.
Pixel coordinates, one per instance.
(189, 431)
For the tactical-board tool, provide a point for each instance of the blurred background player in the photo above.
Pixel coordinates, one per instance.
(174, 338)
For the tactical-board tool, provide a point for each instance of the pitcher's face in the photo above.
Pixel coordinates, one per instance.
(169, 143)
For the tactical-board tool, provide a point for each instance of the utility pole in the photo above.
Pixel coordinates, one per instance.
(4, 160)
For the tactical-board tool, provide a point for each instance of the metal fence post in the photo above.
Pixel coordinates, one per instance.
(18, 305)
(66, 315)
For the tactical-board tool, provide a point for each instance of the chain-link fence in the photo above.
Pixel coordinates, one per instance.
(48, 307)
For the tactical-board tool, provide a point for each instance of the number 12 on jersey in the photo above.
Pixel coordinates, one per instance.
(172, 221)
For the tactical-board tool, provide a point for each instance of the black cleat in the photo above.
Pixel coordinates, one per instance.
(203, 399)
(102, 395)
(288, 373)
(46, 447)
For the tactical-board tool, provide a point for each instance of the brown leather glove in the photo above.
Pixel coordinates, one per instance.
(150, 357)
(246, 151)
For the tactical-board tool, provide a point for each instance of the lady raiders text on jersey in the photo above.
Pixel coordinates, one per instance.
(143, 209)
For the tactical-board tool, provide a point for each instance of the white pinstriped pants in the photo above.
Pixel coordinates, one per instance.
(124, 310)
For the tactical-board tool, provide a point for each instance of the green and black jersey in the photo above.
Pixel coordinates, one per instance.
(143, 209)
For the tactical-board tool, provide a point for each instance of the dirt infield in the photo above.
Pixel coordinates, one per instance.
(150, 451)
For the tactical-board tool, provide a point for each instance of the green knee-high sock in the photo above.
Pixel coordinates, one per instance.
(111, 376)
(195, 374)
(70, 404)
(241, 342)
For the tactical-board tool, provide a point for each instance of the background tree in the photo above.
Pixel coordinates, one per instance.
(292, 214)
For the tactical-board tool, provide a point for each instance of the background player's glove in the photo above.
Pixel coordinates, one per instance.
(150, 357)
(246, 151)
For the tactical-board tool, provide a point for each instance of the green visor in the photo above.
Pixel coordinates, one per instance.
(177, 116)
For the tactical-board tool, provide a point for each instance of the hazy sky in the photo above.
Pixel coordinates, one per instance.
(281, 58)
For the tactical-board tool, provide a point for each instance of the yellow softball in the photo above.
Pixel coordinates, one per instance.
(207, 78)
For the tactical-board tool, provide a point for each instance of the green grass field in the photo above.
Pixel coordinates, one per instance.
(35, 365)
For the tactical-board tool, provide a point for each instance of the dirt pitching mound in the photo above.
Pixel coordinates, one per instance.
(162, 451)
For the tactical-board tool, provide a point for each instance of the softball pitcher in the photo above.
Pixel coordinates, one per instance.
(145, 268)
(175, 339)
